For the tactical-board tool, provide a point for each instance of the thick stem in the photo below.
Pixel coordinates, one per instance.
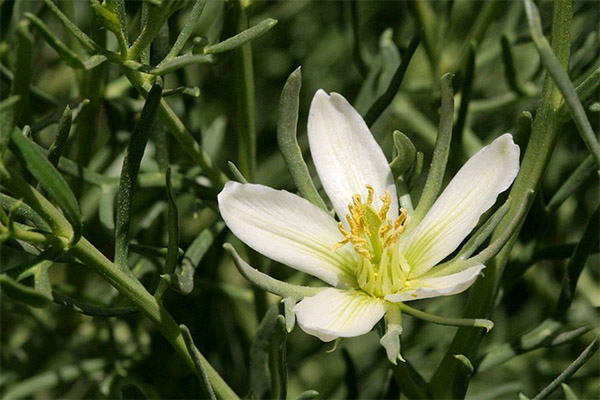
(152, 307)
(543, 138)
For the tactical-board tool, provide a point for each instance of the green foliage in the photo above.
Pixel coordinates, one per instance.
(120, 122)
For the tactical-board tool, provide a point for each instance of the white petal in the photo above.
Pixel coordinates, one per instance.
(337, 313)
(455, 213)
(288, 229)
(346, 155)
(439, 286)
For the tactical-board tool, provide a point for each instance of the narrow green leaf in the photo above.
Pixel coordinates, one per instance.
(22, 210)
(587, 91)
(38, 203)
(151, 251)
(62, 134)
(203, 376)
(357, 53)
(562, 80)
(546, 334)
(187, 30)
(386, 98)
(287, 140)
(435, 177)
(406, 153)
(588, 242)
(265, 282)
(510, 72)
(91, 309)
(241, 38)
(569, 393)
(236, 172)
(278, 360)
(73, 29)
(22, 293)
(186, 285)
(50, 180)
(465, 98)
(483, 232)
(260, 379)
(192, 91)
(68, 56)
(156, 18)
(571, 369)
(169, 66)
(572, 183)
(502, 239)
(474, 323)
(131, 165)
(182, 279)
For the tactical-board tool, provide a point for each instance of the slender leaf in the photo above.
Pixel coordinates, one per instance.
(62, 134)
(287, 140)
(260, 381)
(203, 376)
(22, 293)
(437, 169)
(241, 38)
(588, 242)
(50, 180)
(386, 98)
(91, 309)
(278, 360)
(571, 369)
(572, 183)
(131, 165)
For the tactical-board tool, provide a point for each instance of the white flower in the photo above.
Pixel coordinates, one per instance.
(375, 256)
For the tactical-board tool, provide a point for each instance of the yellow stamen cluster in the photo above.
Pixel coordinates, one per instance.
(364, 221)
(381, 269)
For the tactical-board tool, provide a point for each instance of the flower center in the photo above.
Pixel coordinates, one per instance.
(381, 269)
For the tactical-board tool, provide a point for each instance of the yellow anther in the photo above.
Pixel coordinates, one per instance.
(384, 229)
(370, 196)
(387, 201)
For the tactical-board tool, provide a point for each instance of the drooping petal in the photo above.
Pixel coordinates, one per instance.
(455, 213)
(346, 155)
(288, 229)
(337, 313)
(439, 286)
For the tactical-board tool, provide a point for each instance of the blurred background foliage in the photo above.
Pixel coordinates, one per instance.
(353, 48)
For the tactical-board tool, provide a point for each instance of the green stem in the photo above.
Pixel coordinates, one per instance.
(122, 280)
(543, 138)
(180, 132)
(244, 83)
(152, 307)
